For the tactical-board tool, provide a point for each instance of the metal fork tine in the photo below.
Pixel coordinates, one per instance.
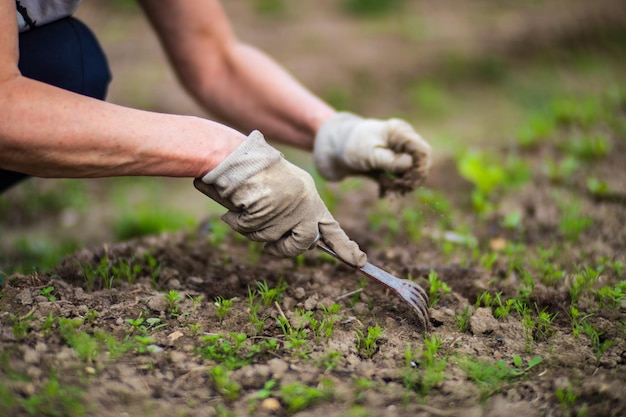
(409, 291)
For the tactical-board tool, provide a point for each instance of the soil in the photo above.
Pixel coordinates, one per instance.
(168, 367)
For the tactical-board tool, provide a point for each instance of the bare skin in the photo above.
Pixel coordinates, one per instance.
(49, 132)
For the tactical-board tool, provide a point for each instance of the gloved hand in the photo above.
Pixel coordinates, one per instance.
(271, 200)
(347, 144)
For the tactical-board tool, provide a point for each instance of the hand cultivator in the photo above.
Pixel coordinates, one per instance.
(409, 291)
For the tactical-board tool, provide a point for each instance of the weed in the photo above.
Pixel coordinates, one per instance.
(270, 295)
(330, 360)
(326, 326)
(598, 343)
(566, 397)
(577, 320)
(93, 274)
(611, 297)
(55, 399)
(21, 325)
(437, 288)
(582, 282)
(85, 345)
(195, 328)
(462, 319)
(367, 344)
(491, 377)
(173, 298)
(361, 386)
(154, 269)
(424, 371)
(572, 223)
(223, 306)
(267, 390)
(295, 336)
(126, 270)
(560, 172)
(520, 369)
(220, 376)
(47, 292)
(298, 396)
(233, 350)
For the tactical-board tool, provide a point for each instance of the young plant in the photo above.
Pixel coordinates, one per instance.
(462, 319)
(437, 288)
(298, 396)
(223, 306)
(222, 383)
(367, 344)
(326, 326)
(295, 335)
(173, 299)
(47, 292)
(423, 371)
(270, 295)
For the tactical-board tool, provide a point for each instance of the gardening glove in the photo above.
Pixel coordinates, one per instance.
(271, 200)
(390, 151)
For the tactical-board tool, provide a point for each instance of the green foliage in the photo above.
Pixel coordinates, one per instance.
(367, 343)
(223, 306)
(572, 223)
(270, 295)
(437, 288)
(220, 376)
(47, 292)
(234, 350)
(27, 256)
(326, 326)
(295, 334)
(611, 297)
(56, 400)
(423, 371)
(598, 342)
(462, 319)
(490, 377)
(371, 8)
(298, 396)
(173, 298)
(588, 148)
(149, 220)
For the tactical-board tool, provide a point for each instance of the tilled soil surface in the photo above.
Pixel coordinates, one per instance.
(267, 356)
(533, 323)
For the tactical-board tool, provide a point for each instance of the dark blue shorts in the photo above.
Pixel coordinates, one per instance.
(65, 54)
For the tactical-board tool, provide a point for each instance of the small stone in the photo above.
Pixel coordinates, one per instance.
(25, 297)
(177, 357)
(310, 303)
(195, 281)
(175, 336)
(31, 356)
(232, 281)
(483, 322)
(90, 370)
(157, 303)
(252, 377)
(299, 293)
(325, 302)
(270, 404)
(277, 367)
(41, 347)
(360, 309)
(288, 303)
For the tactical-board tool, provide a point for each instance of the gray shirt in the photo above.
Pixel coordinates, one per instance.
(33, 13)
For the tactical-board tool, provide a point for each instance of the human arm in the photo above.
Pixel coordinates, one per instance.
(248, 89)
(49, 132)
(232, 80)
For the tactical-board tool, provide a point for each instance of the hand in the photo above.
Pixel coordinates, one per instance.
(347, 144)
(271, 200)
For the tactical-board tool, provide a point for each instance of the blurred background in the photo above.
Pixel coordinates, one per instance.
(467, 74)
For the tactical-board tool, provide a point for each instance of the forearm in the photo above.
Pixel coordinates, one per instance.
(256, 93)
(49, 132)
(234, 81)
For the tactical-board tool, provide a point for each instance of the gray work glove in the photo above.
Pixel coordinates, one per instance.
(271, 200)
(347, 144)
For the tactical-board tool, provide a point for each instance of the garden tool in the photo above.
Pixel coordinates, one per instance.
(408, 290)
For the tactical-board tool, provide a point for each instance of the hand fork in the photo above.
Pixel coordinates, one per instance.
(409, 291)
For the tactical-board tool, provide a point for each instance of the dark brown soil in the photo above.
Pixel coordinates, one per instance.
(169, 363)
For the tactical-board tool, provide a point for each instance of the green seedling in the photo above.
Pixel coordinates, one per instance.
(195, 328)
(55, 399)
(220, 376)
(173, 299)
(598, 343)
(490, 377)
(566, 397)
(583, 281)
(267, 390)
(611, 297)
(298, 396)
(367, 344)
(47, 292)
(560, 172)
(577, 320)
(126, 270)
(538, 127)
(154, 269)
(462, 319)
(437, 288)
(520, 369)
(423, 371)
(589, 148)
(91, 316)
(271, 295)
(233, 350)
(361, 387)
(223, 306)
(330, 360)
(145, 344)
(96, 274)
(295, 336)
(86, 346)
(326, 326)
(21, 325)
(572, 223)
(196, 302)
